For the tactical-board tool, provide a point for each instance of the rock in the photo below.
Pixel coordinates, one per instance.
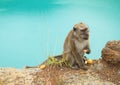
(50, 76)
(98, 66)
(111, 52)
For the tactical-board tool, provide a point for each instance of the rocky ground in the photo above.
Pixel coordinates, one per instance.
(99, 73)
(105, 71)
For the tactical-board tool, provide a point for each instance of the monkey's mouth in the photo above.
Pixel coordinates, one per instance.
(85, 36)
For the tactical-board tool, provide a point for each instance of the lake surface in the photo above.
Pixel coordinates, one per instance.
(32, 30)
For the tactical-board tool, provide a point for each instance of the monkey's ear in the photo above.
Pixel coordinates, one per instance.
(74, 29)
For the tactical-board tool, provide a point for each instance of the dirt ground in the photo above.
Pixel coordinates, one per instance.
(99, 73)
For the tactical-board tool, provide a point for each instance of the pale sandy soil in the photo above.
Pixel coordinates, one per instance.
(53, 75)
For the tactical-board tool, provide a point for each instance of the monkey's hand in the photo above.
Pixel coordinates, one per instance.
(87, 51)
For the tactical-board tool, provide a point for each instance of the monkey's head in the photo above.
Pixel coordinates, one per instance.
(81, 31)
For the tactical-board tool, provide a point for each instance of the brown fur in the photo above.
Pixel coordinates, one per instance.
(76, 42)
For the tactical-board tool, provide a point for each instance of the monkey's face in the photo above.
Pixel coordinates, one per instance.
(81, 31)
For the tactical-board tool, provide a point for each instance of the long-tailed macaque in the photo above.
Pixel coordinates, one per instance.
(75, 46)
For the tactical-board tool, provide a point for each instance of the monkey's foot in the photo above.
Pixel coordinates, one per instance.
(84, 68)
(75, 68)
(78, 68)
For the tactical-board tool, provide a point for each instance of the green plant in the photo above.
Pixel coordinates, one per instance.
(60, 82)
(59, 62)
(1, 82)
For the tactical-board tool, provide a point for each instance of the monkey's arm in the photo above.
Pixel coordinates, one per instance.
(87, 49)
(78, 56)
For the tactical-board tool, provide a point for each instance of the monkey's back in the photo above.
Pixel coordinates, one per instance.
(67, 43)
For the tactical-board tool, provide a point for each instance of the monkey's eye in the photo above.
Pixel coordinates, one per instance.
(74, 28)
(83, 30)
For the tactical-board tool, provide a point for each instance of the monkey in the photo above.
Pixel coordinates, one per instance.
(75, 46)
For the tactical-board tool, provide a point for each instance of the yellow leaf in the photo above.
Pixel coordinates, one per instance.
(42, 66)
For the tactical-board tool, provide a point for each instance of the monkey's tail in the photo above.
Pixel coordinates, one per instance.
(31, 67)
(58, 57)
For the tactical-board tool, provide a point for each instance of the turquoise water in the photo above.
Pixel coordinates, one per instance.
(31, 30)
